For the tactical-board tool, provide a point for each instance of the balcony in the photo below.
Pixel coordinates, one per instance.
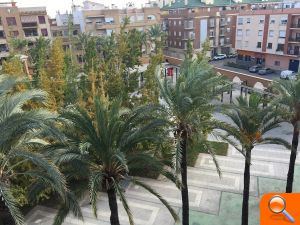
(222, 34)
(188, 25)
(223, 23)
(297, 39)
(295, 26)
(294, 52)
(104, 25)
(189, 36)
(27, 25)
(211, 24)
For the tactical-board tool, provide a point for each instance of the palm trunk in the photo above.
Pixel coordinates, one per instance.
(112, 200)
(290, 176)
(184, 189)
(245, 210)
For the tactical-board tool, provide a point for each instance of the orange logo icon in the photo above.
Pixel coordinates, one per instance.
(280, 209)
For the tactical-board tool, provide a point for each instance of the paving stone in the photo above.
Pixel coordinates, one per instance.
(236, 165)
(231, 182)
(201, 199)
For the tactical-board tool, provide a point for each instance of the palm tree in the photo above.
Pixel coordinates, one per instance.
(20, 132)
(250, 124)
(188, 107)
(19, 45)
(104, 147)
(289, 100)
(156, 35)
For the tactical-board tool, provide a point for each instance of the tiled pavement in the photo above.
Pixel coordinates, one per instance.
(213, 200)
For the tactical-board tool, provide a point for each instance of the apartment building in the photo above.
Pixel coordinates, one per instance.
(270, 38)
(35, 23)
(100, 20)
(198, 24)
(10, 26)
(24, 23)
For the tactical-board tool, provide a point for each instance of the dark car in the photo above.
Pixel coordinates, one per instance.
(255, 69)
(265, 71)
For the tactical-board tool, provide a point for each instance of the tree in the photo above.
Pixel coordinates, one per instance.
(187, 104)
(20, 137)
(250, 122)
(150, 91)
(38, 55)
(104, 147)
(289, 101)
(54, 82)
(156, 35)
(19, 46)
(13, 66)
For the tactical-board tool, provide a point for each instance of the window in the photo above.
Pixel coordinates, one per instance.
(260, 33)
(261, 21)
(282, 34)
(11, 21)
(228, 29)
(179, 33)
(271, 33)
(179, 43)
(277, 63)
(239, 32)
(240, 57)
(175, 43)
(174, 22)
(248, 20)
(247, 33)
(14, 33)
(240, 21)
(179, 22)
(247, 58)
(280, 48)
(246, 43)
(258, 45)
(211, 33)
(75, 32)
(272, 21)
(42, 20)
(228, 19)
(174, 33)
(283, 20)
(44, 32)
(2, 34)
(270, 45)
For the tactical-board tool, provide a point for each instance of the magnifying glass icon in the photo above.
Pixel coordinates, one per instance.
(277, 205)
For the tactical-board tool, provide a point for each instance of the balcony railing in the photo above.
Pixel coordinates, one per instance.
(297, 25)
(190, 36)
(223, 23)
(294, 39)
(293, 52)
(188, 25)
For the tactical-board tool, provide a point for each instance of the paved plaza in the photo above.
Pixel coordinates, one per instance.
(213, 200)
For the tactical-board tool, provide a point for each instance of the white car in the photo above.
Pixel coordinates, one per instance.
(219, 57)
(288, 75)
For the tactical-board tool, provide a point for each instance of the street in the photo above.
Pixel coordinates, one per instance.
(221, 64)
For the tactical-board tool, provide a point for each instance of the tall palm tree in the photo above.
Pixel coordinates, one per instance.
(104, 147)
(156, 35)
(250, 122)
(19, 139)
(188, 107)
(289, 100)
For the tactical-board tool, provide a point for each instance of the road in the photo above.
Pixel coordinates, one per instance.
(221, 64)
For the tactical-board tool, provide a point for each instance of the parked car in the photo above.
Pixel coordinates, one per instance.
(232, 55)
(219, 57)
(255, 69)
(265, 71)
(288, 75)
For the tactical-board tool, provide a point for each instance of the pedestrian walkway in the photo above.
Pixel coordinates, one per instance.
(214, 200)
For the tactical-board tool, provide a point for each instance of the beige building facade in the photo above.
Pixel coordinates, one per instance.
(270, 38)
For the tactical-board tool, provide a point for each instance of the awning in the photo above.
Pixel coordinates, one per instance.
(28, 19)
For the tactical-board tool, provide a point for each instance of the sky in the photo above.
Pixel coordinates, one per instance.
(54, 5)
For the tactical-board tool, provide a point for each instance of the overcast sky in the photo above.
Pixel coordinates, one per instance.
(63, 5)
